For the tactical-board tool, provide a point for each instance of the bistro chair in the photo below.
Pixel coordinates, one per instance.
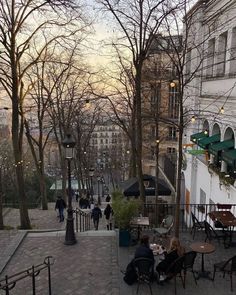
(212, 234)
(175, 269)
(197, 225)
(144, 269)
(165, 227)
(227, 267)
(189, 259)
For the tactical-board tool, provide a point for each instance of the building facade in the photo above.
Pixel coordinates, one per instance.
(210, 102)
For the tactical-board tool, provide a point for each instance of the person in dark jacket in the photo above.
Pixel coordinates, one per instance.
(60, 205)
(144, 250)
(108, 212)
(96, 215)
(108, 198)
(174, 252)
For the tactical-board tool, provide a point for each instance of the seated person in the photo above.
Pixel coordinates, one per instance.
(175, 251)
(144, 250)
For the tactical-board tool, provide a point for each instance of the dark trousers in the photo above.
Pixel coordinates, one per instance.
(96, 222)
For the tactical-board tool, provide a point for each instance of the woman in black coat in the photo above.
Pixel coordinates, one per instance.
(108, 212)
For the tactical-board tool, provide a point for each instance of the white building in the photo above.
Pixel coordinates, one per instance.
(210, 164)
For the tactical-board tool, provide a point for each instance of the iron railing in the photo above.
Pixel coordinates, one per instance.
(157, 212)
(82, 220)
(10, 282)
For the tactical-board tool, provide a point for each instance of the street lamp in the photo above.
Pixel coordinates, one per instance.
(91, 173)
(69, 143)
(99, 199)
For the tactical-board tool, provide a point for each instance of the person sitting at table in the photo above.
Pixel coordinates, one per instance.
(175, 251)
(144, 249)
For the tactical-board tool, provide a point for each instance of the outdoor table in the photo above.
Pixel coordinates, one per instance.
(139, 222)
(227, 219)
(203, 248)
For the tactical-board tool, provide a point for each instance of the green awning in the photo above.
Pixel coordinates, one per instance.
(195, 137)
(229, 157)
(204, 142)
(214, 149)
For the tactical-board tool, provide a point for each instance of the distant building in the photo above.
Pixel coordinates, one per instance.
(108, 146)
(160, 109)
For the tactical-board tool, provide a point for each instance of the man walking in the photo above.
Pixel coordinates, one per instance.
(60, 205)
(96, 215)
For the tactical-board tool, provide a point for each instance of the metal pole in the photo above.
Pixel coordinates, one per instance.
(99, 200)
(70, 233)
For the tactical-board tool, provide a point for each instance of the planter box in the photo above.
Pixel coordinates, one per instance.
(124, 238)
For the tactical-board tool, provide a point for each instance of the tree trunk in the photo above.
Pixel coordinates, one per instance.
(1, 202)
(179, 168)
(139, 133)
(43, 192)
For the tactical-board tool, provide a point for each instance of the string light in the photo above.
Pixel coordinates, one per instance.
(206, 132)
(157, 141)
(222, 110)
(193, 119)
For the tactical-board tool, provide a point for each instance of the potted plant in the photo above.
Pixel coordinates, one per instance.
(124, 211)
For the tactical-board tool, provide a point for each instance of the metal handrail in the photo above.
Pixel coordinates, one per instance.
(82, 220)
(9, 282)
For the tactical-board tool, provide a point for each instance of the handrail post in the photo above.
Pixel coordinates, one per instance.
(49, 278)
(33, 281)
(7, 289)
(76, 220)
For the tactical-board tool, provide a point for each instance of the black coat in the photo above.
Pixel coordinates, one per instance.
(164, 265)
(60, 204)
(144, 251)
(108, 212)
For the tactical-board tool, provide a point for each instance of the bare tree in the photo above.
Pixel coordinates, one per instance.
(139, 21)
(17, 35)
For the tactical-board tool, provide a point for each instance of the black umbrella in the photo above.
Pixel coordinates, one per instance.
(131, 186)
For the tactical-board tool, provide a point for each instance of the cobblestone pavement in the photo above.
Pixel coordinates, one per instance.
(92, 266)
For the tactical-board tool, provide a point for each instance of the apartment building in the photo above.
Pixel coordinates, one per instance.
(209, 144)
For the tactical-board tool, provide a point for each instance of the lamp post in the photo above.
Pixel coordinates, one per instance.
(69, 144)
(91, 173)
(99, 199)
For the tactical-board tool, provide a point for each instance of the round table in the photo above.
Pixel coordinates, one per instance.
(203, 248)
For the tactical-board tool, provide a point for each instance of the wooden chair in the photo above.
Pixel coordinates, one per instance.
(197, 225)
(227, 267)
(144, 268)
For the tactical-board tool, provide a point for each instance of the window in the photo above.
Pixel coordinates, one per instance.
(188, 62)
(202, 197)
(171, 150)
(172, 133)
(173, 102)
(222, 50)
(232, 65)
(155, 95)
(210, 58)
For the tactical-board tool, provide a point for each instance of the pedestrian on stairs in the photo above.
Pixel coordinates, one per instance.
(108, 212)
(96, 215)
